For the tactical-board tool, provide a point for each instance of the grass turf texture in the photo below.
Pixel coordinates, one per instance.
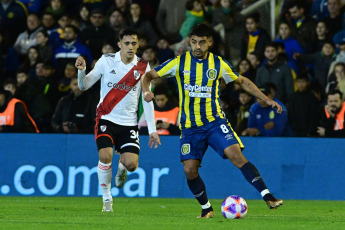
(156, 213)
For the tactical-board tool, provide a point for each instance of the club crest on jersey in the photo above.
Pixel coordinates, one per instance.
(211, 74)
(103, 128)
(136, 74)
(185, 149)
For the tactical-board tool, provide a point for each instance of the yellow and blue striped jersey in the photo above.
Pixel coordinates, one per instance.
(199, 86)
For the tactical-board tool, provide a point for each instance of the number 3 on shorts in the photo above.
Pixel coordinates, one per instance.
(224, 128)
(135, 134)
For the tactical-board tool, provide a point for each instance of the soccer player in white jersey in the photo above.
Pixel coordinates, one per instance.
(116, 114)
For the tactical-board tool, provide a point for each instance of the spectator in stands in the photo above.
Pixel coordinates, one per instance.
(140, 24)
(164, 52)
(246, 69)
(12, 13)
(56, 8)
(70, 50)
(303, 109)
(70, 73)
(42, 43)
(255, 59)
(337, 79)
(265, 121)
(243, 111)
(277, 72)
(334, 21)
(84, 15)
(166, 113)
(28, 37)
(14, 116)
(108, 47)
(74, 112)
(339, 58)
(33, 6)
(31, 59)
(332, 121)
(49, 85)
(194, 15)
(320, 61)
(169, 18)
(302, 26)
(150, 55)
(30, 92)
(291, 45)
(56, 37)
(319, 9)
(321, 36)
(97, 33)
(11, 86)
(48, 22)
(122, 5)
(255, 38)
(117, 22)
(39, 69)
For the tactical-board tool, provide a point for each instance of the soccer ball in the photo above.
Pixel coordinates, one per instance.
(234, 207)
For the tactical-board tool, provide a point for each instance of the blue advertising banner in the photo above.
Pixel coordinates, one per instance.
(66, 165)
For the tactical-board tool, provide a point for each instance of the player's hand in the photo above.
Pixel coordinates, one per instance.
(274, 105)
(148, 96)
(80, 63)
(154, 140)
(321, 131)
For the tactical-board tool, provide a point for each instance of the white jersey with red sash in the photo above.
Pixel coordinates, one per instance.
(120, 88)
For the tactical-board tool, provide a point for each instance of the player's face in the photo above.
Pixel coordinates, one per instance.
(284, 31)
(200, 46)
(335, 102)
(129, 46)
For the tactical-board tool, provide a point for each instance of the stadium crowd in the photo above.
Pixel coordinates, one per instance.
(303, 68)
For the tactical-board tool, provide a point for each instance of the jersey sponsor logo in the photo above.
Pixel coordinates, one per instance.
(113, 71)
(201, 95)
(122, 86)
(103, 128)
(185, 149)
(136, 74)
(211, 74)
(200, 88)
(186, 72)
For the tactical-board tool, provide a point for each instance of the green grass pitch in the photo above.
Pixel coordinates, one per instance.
(158, 213)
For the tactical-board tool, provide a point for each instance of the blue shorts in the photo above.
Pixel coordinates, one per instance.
(218, 134)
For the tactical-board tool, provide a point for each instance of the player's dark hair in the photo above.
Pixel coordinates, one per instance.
(190, 4)
(127, 32)
(201, 30)
(334, 92)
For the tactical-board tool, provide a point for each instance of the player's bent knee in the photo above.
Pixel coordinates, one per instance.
(191, 173)
(131, 166)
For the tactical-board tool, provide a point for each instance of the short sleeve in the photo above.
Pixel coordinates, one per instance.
(229, 73)
(168, 68)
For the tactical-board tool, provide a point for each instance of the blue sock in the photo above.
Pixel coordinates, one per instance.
(197, 187)
(252, 175)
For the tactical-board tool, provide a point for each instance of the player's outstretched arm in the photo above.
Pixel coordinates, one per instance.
(251, 88)
(145, 84)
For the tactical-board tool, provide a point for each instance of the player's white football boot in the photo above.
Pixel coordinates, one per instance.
(107, 206)
(121, 175)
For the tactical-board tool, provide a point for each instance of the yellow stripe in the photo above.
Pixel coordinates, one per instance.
(198, 81)
(24, 7)
(228, 70)
(208, 105)
(178, 80)
(167, 67)
(237, 138)
(219, 110)
(187, 64)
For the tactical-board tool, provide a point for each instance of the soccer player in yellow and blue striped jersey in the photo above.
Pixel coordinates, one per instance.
(202, 122)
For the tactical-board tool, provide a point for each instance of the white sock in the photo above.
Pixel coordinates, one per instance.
(104, 173)
(207, 205)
